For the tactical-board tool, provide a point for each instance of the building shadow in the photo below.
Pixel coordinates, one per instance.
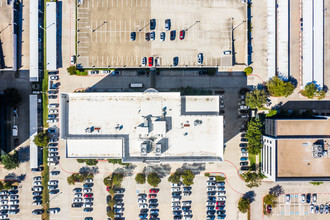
(196, 168)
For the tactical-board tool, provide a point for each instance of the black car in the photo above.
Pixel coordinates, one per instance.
(244, 163)
(13, 192)
(175, 61)
(153, 201)
(144, 211)
(37, 198)
(211, 212)
(153, 216)
(52, 97)
(119, 190)
(185, 208)
(153, 206)
(245, 168)
(54, 191)
(221, 212)
(186, 188)
(212, 193)
(52, 92)
(76, 205)
(36, 193)
(133, 36)
(243, 145)
(152, 24)
(177, 217)
(147, 36)
(308, 198)
(173, 33)
(37, 211)
(88, 185)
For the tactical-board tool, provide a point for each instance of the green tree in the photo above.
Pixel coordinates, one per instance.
(117, 179)
(72, 70)
(111, 202)
(140, 178)
(312, 91)
(256, 99)
(271, 113)
(10, 160)
(91, 162)
(248, 70)
(118, 161)
(107, 181)
(243, 204)
(8, 184)
(220, 178)
(175, 177)
(188, 177)
(12, 97)
(254, 135)
(278, 87)
(71, 180)
(112, 191)
(41, 139)
(252, 179)
(271, 199)
(1, 185)
(153, 179)
(111, 213)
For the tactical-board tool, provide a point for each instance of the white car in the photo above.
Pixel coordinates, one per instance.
(175, 184)
(175, 189)
(52, 111)
(53, 182)
(142, 201)
(88, 199)
(13, 202)
(37, 178)
(244, 154)
(210, 203)
(53, 210)
(5, 192)
(187, 212)
(53, 77)
(143, 206)
(89, 181)
(88, 205)
(37, 189)
(314, 198)
(13, 207)
(221, 193)
(175, 199)
(13, 197)
(117, 206)
(77, 200)
(3, 197)
(73, 60)
(144, 61)
(4, 216)
(4, 207)
(51, 159)
(77, 195)
(210, 183)
(176, 208)
(87, 190)
(52, 120)
(303, 198)
(37, 183)
(186, 203)
(175, 204)
(311, 209)
(221, 198)
(3, 202)
(287, 198)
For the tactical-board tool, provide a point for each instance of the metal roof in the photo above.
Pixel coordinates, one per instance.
(34, 28)
(51, 48)
(33, 130)
(271, 39)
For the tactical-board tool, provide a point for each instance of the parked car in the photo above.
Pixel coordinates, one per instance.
(314, 198)
(162, 36)
(37, 211)
(308, 198)
(53, 210)
(168, 24)
(173, 33)
(175, 61)
(37, 202)
(133, 36)
(244, 163)
(152, 24)
(53, 77)
(303, 198)
(182, 34)
(37, 183)
(76, 205)
(152, 35)
(151, 60)
(200, 59)
(54, 173)
(147, 36)
(287, 198)
(88, 195)
(88, 209)
(144, 61)
(153, 190)
(54, 191)
(52, 149)
(244, 159)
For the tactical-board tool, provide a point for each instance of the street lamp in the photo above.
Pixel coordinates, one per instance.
(42, 28)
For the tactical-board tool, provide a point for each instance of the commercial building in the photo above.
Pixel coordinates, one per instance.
(35, 57)
(148, 127)
(313, 42)
(297, 149)
(33, 131)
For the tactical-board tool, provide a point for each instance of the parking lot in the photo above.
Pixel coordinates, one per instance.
(295, 208)
(104, 28)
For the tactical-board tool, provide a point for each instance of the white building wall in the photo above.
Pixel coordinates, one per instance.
(268, 158)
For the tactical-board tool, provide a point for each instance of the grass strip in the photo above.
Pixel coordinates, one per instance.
(45, 179)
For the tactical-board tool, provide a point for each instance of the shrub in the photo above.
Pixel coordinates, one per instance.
(188, 177)
(10, 161)
(312, 91)
(140, 178)
(206, 174)
(175, 177)
(117, 179)
(111, 213)
(111, 202)
(153, 179)
(81, 73)
(91, 162)
(72, 70)
(271, 113)
(107, 181)
(252, 179)
(256, 99)
(278, 88)
(271, 199)
(316, 183)
(220, 178)
(248, 70)
(80, 160)
(243, 205)
(41, 139)
(118, 161)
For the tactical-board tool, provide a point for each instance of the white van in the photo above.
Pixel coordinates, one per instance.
(15, 131)
(136, 85)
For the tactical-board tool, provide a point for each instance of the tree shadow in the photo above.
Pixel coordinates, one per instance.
(161, 170)
(126, 171)
(250, 195)
(276, 190)
(11, 177)
(196, 168)
(86, 169)
(294, 81)
(24, 154)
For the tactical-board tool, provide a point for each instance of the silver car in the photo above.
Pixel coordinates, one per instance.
(144, 61)
(200, 58)
(152, 35)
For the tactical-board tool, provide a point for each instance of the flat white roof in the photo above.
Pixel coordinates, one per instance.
(313, 42)
(125, 115)
(283, 38)
(95, 148)
(51, 36)
(34, 43)
(202, 103)
(33, 130)
(271, 39)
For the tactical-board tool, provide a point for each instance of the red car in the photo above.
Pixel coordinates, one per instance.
(152, 196)
(220, 203)
(88, 195)
(269, 209)
(108, 187)
(182, 33)
(153, 190)
(151, 61)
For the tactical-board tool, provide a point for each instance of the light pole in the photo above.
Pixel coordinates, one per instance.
(42, 28)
